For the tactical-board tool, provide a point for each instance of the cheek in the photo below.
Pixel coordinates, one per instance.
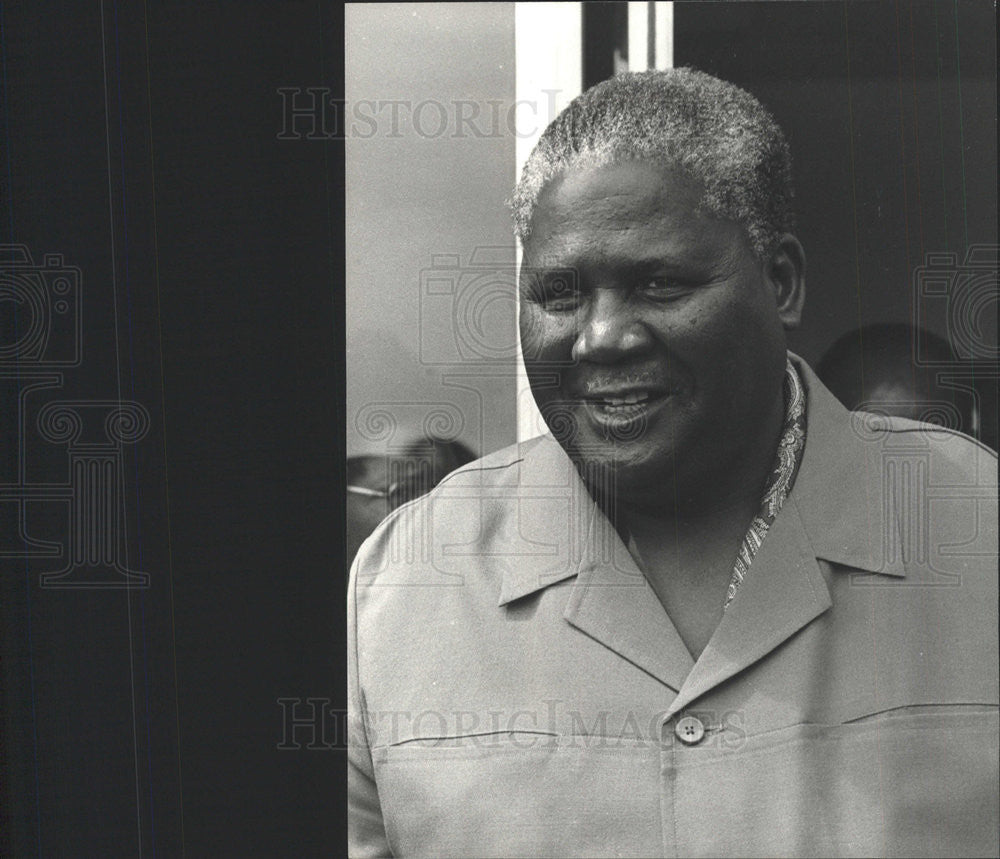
(544, 336)
(725, 327)
(699, 331)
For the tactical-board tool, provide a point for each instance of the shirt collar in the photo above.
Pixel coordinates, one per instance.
(543, 470)
(839, 490)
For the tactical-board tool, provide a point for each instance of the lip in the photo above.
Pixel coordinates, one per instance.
(612, 410)
(622, 393)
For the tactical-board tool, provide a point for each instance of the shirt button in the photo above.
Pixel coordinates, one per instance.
(689, 730)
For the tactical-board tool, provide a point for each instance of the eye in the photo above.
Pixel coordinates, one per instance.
(556, 291)
(664, 289)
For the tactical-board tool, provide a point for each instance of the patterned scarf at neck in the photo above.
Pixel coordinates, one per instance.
(779, 483)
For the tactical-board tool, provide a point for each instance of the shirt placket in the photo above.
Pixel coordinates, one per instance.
(683, 736)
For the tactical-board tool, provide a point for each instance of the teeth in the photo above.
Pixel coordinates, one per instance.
(627, 400)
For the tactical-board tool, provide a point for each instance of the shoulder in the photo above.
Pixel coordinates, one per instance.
(953, 456)
(944, 437)
(416, 542)
(943, 477)
(869, 481)
(436, 560)
(861, 436)
(497, 467)
(941, 487)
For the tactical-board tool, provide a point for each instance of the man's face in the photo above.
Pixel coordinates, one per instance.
(668, 349)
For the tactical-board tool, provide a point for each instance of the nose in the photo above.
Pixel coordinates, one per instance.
(611, 329)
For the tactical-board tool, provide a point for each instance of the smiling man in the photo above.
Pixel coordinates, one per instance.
(669, 328)
(709, 613)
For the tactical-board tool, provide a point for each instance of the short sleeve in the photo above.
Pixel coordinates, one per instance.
(365, 828)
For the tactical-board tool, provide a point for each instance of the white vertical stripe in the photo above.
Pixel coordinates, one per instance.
(638, 36)
(664, 35)
(548, 52)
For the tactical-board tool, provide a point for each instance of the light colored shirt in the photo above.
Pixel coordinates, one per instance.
(517, 689)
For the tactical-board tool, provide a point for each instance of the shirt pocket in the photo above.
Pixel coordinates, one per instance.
(520, 793)
(911, 781)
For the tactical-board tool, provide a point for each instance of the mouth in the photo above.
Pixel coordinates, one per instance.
(618, 408)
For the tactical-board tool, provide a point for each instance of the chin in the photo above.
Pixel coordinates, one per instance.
(625, 470)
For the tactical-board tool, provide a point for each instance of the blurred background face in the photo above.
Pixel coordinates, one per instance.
(896, 369)
(899, 398)
(656, 320)
(367, 500)
(377, 485)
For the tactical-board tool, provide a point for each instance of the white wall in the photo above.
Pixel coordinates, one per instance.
(420, 185)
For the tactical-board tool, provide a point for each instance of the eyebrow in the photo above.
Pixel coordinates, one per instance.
(652, 262)
(643, 266)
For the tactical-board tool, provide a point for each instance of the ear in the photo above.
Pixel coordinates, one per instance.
(785, 269)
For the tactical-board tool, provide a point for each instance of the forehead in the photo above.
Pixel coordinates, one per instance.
(616, 210)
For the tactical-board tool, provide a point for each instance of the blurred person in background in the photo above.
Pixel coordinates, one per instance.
(373, 492)
(873, 369)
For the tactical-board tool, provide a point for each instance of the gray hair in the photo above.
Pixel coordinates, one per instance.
(682, 118)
